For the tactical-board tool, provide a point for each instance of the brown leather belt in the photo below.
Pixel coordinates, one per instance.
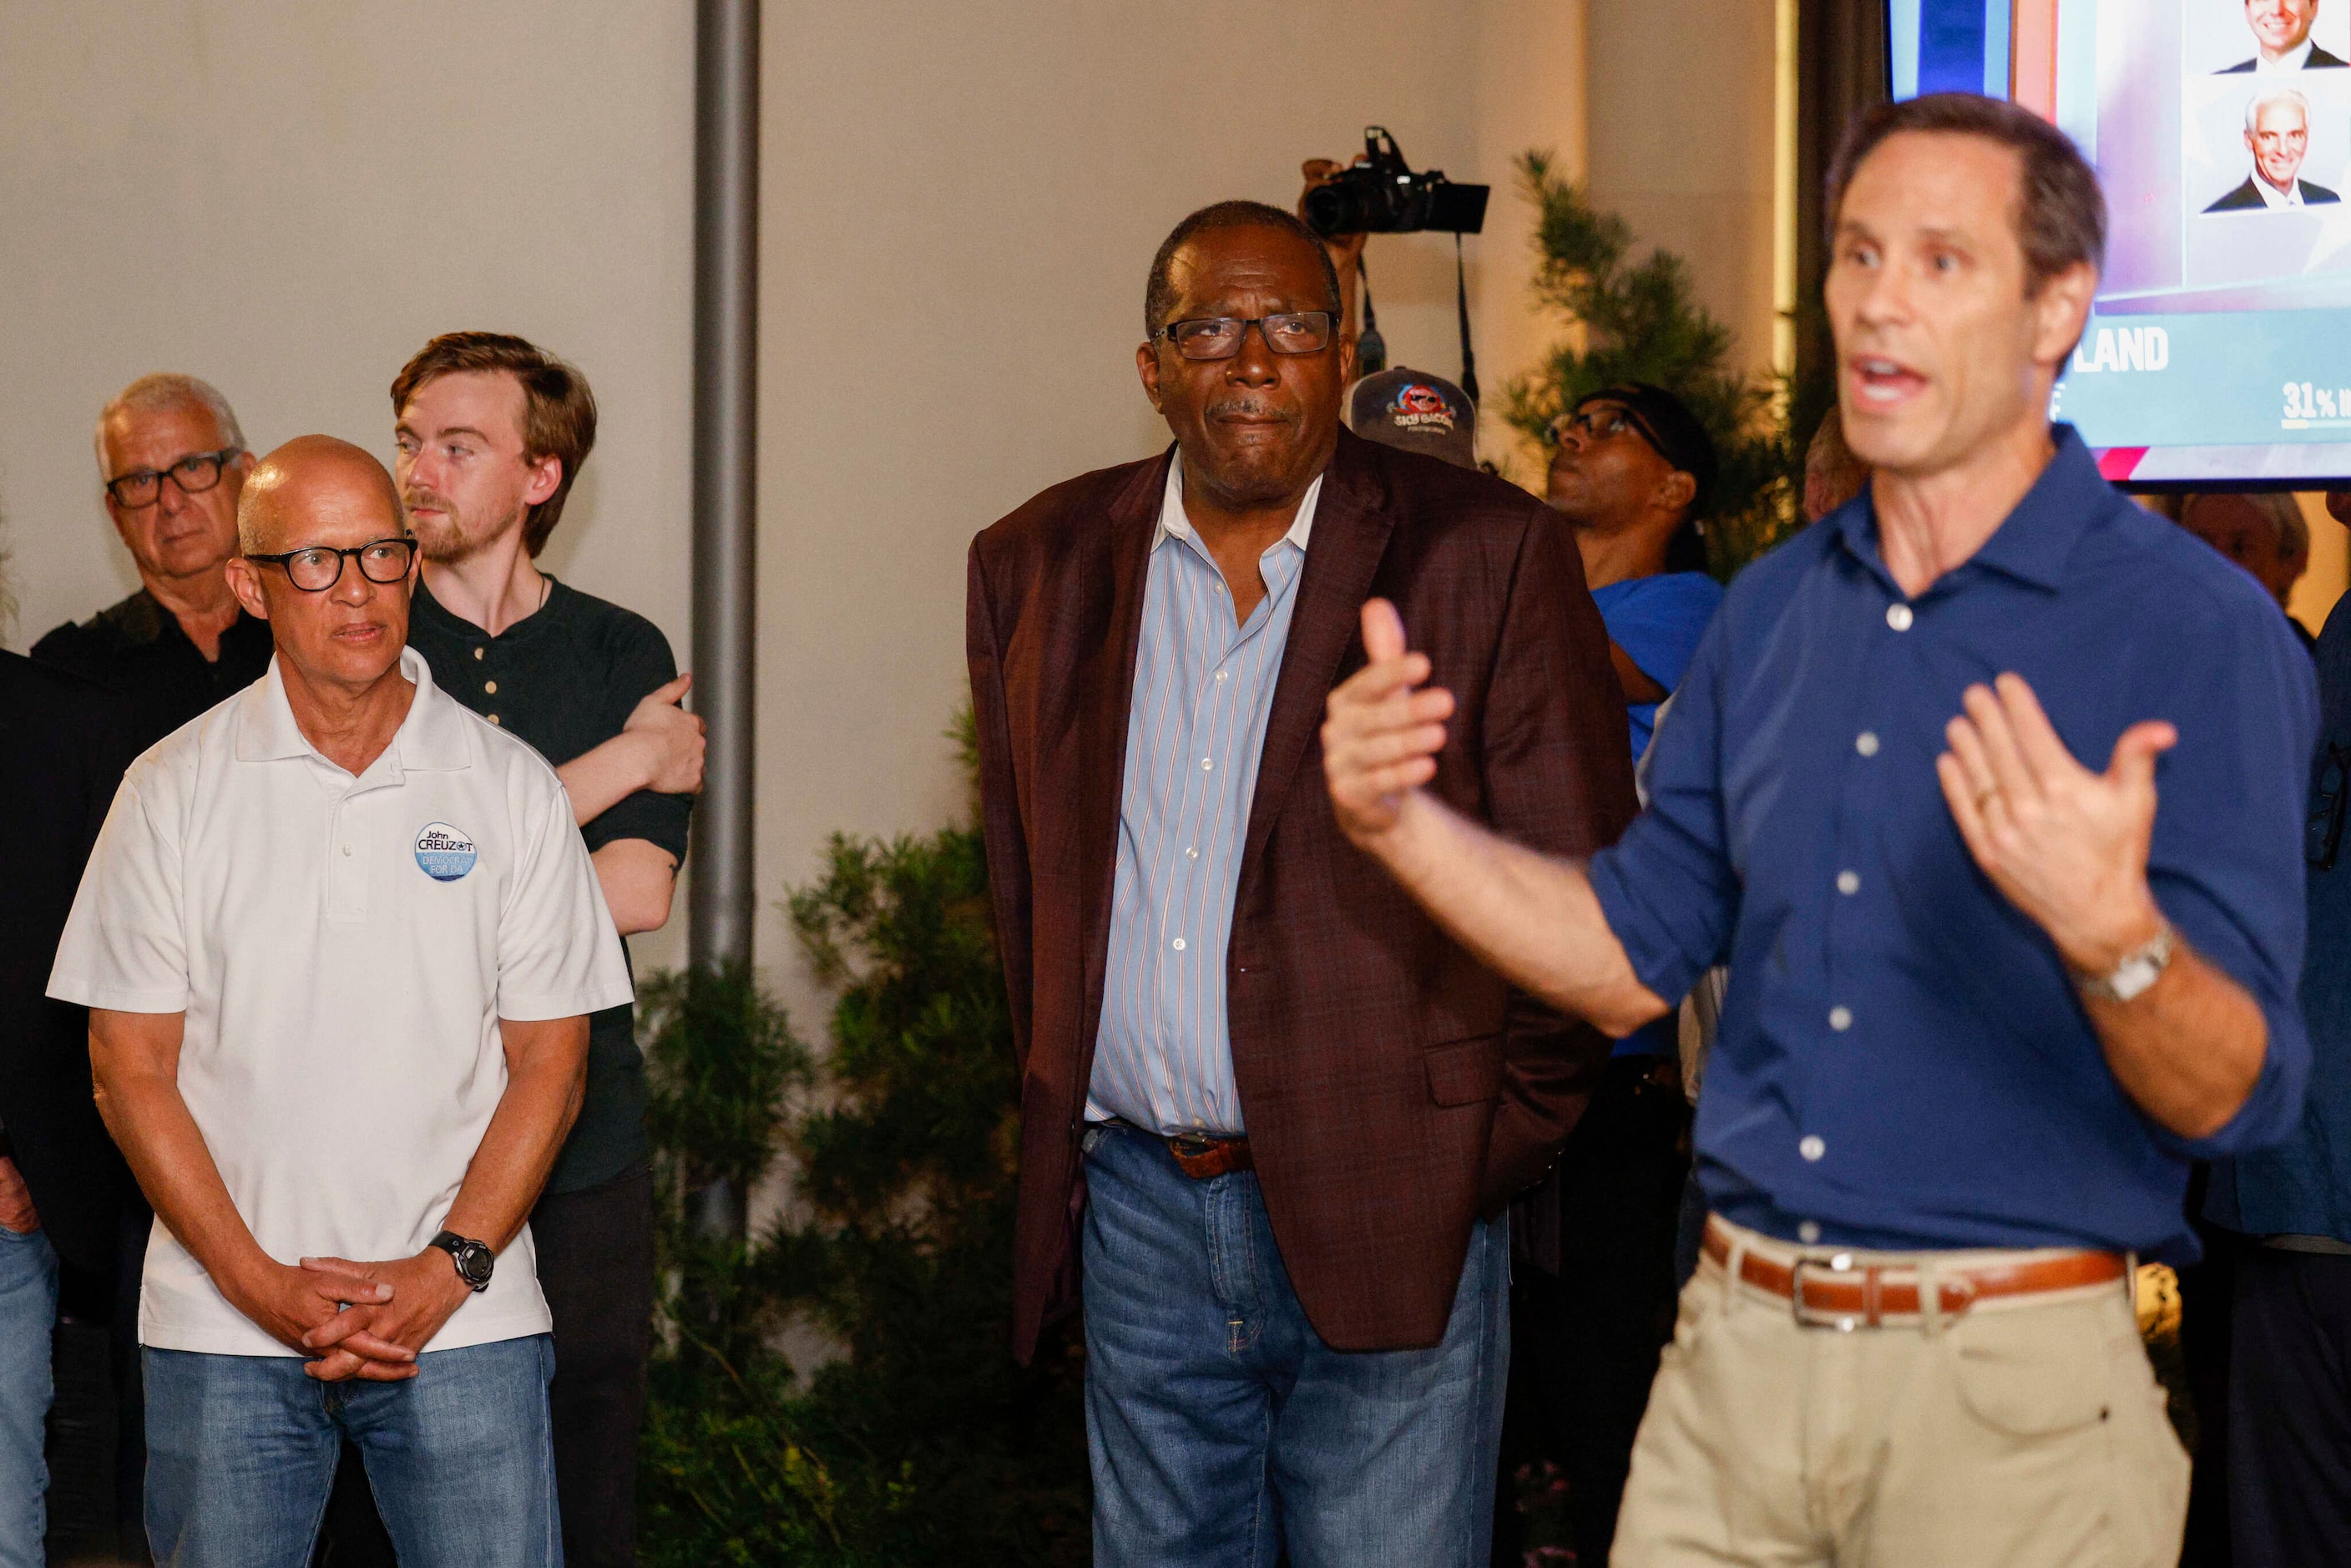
(1835, 1291)
(1201, 1156)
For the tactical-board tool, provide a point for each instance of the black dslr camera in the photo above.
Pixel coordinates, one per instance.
(1378, 193)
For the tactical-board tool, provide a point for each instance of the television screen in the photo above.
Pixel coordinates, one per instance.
(2220, 346)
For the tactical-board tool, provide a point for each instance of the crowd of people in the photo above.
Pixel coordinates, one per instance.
(1379, 856)
(345, 735)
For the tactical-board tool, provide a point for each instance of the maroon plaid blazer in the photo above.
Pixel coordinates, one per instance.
(1394, 1089)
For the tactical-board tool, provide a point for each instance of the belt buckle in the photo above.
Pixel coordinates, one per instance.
(1809, 1317)
(1191, 1146)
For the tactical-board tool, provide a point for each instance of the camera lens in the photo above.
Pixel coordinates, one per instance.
(1334, 209)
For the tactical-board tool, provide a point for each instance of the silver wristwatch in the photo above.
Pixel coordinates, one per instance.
(2139, 968)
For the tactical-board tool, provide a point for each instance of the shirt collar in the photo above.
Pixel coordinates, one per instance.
(2034, 542)
(2293, 62)
(1175, 525)
(2272, 196)
(431, 738)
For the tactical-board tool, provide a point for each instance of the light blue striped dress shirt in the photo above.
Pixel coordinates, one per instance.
(1203, 691)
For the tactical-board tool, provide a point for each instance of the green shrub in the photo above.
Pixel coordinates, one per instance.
(923, 1442)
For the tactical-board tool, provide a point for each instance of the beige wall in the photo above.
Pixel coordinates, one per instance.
(961, 201)
(1681, 145)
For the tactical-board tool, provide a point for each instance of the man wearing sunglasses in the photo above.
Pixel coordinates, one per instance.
(172, 463)
(340, 938)
(1271, 1113)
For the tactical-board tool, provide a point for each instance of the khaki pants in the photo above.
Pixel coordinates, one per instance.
(2024, 1432)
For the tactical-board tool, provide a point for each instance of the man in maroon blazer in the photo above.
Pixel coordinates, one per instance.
(1271, 1116)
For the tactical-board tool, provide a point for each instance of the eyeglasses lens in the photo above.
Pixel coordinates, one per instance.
(316, 571)
(1219, 336)
(192, 475)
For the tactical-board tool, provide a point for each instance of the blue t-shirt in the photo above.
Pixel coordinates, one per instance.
(1657, 621)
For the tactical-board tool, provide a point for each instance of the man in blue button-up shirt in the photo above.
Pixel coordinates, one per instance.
(1986, 1002)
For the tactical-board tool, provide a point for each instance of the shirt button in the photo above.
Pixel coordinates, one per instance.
(1840, 1019)
(1180, 944)
(1191, 855)
(491, 688)
(492, 717)
(1223, 673)
(1206, 763)
(1865, 743)
(1812, 1148)
(1898, 616)
(347, 850)
(1848, 883)
(1809, 1232)
(480, 652)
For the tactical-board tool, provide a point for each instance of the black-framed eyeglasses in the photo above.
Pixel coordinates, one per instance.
(318, 568)
(194, 473)
(1219, 336)
(1599, 422)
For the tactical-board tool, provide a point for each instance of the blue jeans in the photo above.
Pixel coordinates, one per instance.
(28, 1309)
(1222, 1428)
(241, 1456)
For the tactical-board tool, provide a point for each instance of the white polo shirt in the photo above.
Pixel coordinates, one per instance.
(343, 949)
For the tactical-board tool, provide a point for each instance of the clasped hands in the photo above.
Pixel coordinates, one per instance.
(366, 1321)
(2066, 846)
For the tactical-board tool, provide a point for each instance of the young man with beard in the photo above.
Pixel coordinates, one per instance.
(491, 433)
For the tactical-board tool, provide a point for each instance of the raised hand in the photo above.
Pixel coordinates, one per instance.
(2065, 845)
(1380, 735)
(672, 737)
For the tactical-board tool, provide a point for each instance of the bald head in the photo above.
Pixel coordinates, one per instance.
(309, 477)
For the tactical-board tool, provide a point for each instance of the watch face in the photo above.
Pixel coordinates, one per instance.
(475, 1260)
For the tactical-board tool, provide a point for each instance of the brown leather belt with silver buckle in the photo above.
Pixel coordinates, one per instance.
(1201, 1156)
(1834, 1292)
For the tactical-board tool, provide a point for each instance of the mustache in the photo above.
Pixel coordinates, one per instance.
(1243, 406)
(413, 498)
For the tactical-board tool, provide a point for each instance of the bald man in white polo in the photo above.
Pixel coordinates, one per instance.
(339, 938)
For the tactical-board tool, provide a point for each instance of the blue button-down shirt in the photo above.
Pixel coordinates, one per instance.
(1902, 1060)
(1203, 690)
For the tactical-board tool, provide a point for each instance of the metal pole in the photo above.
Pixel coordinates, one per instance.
(726, 466)
(725, 494)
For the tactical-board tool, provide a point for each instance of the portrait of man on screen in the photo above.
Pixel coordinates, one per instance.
(2277, 134)
(2281, 30)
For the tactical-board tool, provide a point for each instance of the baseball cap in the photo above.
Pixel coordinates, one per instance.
(1413, 411)
(1671, 430)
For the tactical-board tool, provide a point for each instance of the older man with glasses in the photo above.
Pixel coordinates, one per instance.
(172, 463)
(1272, 1113)
(340, 939)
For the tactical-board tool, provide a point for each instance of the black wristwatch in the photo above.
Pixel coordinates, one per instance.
(475, 1259)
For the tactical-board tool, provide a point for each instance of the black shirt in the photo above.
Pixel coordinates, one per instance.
(566, 680)
(62, 750)
(136, 650)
